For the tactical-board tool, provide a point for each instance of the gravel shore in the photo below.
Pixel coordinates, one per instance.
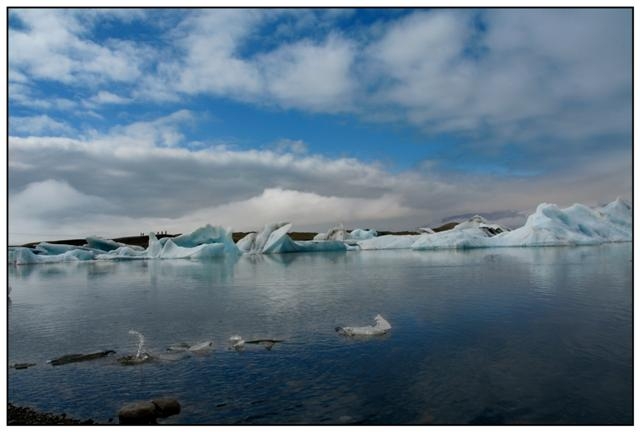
(27, 416)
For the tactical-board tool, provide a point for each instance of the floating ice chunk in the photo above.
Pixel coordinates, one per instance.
(172, 251)
(23, 255)
(337, 233)
(201, 347)
(389, 241)
(278, 240)
(320, 236)
(381, 327)
(207, 234)
(195, 348)
(315, 246)
(362, 234)
(618, 212)
(453, 239)
(54, 249)
(268, 240)
(574, 225)
(478, 222)
(246, 243)
(95, 242)
(236, 342)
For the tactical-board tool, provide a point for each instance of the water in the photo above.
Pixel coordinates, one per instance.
(540, 335)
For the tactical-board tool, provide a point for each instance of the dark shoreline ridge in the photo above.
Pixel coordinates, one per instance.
(17, 415)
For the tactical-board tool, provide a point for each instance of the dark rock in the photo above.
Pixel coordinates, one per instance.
(166, 407)
(267, 343)
(74, 358)
(28, 416)
(138, 413)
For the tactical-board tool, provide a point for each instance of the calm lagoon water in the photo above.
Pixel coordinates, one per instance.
(539, 335)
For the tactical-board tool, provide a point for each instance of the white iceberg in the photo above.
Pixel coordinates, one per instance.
(478, 222)
(548, 226)
(99, 243)
(269, 238)
(205, 242)
(54, 248)
(274, 239)
(381, 327)
(24, 255)
(207, 234)
(389, 241)
(237, 343)
(362, 234)
(574, 225)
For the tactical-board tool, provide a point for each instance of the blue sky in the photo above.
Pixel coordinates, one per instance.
(129, 120)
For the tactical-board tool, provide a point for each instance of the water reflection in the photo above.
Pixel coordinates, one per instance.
(500, 335)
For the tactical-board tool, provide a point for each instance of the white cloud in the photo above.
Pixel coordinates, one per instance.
(311, 76)
(38, 125)
(106, 97)
(53, 46)
(131, 179)
(530, 75)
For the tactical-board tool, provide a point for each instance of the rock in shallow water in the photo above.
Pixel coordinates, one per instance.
(166, 407)
(147, 412)
(138, 413)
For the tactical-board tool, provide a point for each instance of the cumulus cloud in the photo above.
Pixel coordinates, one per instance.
(52, 44)
(37, 125)
(105, 97)
(495, 77)
(311, 76)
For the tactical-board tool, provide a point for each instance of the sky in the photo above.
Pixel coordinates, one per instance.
(124, 121)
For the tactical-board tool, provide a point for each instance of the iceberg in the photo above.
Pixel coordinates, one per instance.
(452, 239)
(339, 233)
(207, 234)
(478, 222)
(24, 255)
(54, 248)
(269, 238)
(549, 225)
(574, 225)
(203, 243)
(336, 233)
(99, 243)
(381, 327)
(389, 241)
(362, 234)
(274, 239)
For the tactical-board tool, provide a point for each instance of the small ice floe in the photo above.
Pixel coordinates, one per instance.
(381, 327)
(237, 343)
(140, 356)
(195, 348)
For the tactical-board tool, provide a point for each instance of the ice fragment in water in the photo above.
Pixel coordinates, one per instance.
(381, 327)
